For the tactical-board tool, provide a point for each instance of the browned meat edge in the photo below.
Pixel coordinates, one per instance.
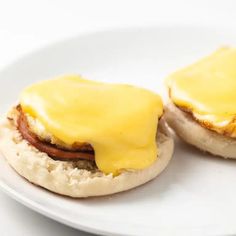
(51, 149)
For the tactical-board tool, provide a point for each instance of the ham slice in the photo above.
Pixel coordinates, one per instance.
(51, 149)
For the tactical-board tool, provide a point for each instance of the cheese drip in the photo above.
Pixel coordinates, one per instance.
(119, 121)
(208, 89)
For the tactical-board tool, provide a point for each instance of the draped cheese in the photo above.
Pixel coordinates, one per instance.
(119, 121)
(208, 89)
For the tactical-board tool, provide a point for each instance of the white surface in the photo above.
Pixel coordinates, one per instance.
(195, 195)
(27, 24)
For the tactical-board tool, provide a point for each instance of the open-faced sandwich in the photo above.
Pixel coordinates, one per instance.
(82, 138)
(202, 107)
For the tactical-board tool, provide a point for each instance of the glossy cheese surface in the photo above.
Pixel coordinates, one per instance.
(119, 121)
(208, 89)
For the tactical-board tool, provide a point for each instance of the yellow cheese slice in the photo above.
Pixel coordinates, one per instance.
(119, 121)
(208, 89)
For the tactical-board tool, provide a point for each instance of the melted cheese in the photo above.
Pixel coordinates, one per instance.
(208, 89)
(119, 121)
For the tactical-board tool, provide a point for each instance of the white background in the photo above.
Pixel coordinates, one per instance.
(29, 24)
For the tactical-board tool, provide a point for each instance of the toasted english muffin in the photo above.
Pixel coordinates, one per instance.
(197, 135)
(89, 139)
(202, 103)
(76, 179)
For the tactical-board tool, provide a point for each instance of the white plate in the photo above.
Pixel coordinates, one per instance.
(194, 195)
